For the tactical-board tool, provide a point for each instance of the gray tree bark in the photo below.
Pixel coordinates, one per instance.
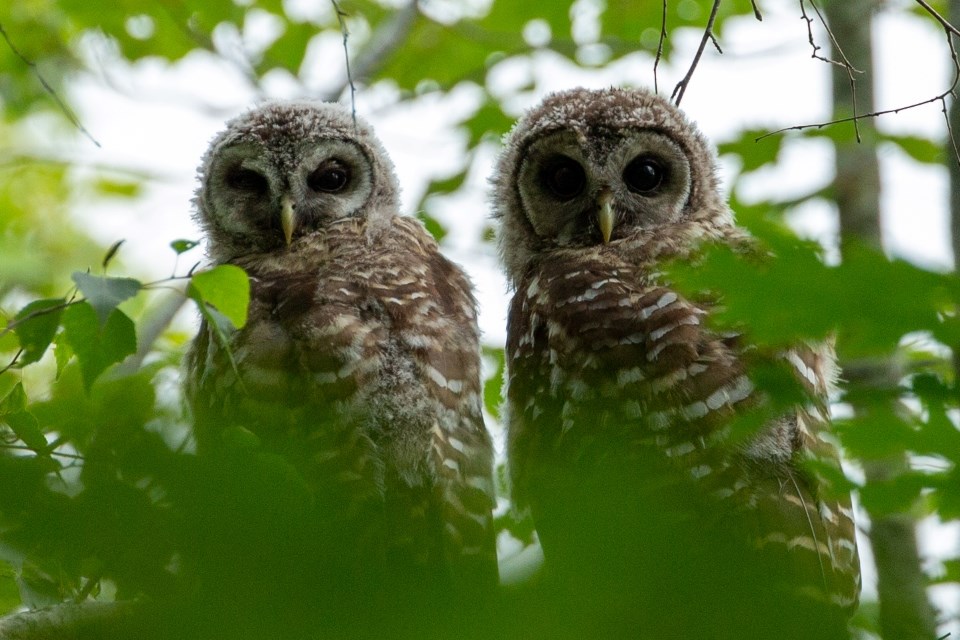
(905, 611)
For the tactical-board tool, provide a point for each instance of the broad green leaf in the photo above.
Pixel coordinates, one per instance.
(227, 288)
(36, 326)
(754, 153)
(443, 54)
(96, 345)
(896, 495)
(920, 149)
(104, 293)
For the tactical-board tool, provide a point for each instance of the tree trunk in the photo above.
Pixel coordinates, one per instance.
(953, 163)
(905, 611)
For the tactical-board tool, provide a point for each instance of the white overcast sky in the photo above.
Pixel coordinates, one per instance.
(158, 118)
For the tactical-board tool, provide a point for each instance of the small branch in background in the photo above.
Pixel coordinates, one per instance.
(949, 31)
(46, 87)
(949, 28)
(844, 64)
(390, 36)
(346, 55)
(663, 37)
(756, 11)
(708, 36)
(151, 328)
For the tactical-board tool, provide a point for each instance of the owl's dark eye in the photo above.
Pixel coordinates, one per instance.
(564, 177)
(331, 176)
(247, 180)
(643, 175)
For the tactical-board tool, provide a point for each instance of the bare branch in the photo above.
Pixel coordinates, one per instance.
(663, 37)
(49, 89)
(844, 63)
(949, 31)
(681, 87)
(949, 28)
(756, 11)
(346, 55)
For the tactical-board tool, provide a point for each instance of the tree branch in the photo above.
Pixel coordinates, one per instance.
(46, 87)
(949, 30)
(681, 87)
(388, 37)
(663, 37)
(346, 56)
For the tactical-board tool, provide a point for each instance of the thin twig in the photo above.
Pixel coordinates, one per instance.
(663, 37)
(346, 56)
(756, 11)
(35, 314)
(385, 40)
(844, 62)
(943, 21)
(46, 87)
(681, 87)
(863, 116)
(13, 362)
(949, 31)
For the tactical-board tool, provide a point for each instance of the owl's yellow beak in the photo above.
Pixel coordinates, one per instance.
(605, 215)
(287, 219)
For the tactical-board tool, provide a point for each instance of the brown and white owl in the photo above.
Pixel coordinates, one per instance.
(359, 362)
(619, 396)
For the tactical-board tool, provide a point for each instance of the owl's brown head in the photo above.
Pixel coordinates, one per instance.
(285, 170)
(591, 167)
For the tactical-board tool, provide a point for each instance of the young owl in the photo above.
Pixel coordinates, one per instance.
(359, 361)
(618, 393)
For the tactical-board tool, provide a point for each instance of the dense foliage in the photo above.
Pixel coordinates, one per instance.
(100, 493)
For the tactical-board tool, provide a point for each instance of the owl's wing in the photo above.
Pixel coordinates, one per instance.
(437, 323)
(600, 358)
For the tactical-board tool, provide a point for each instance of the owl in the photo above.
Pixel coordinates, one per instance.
(359, 362)
(620, 399)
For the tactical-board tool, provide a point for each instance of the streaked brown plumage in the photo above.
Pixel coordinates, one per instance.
(359, 361)
(614, 379)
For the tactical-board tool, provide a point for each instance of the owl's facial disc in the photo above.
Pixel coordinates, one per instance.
(272, 196)
(583, 189)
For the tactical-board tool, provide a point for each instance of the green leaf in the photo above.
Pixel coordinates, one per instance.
(433, 225)
(753, 152)
(226, 288)
(9, 592)
(920, 149)
(36, 326)
(111, 252)
(62, 353)
(117, 188)
(493, 385)
(182, 246)
(13, 411)
(97, 345)
(103, 293)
